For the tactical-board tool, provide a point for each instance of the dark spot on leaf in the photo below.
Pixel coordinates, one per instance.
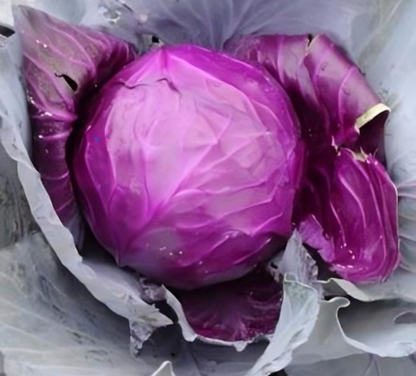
(21, 271)
(57, 309)
(77, 337)
(45, 287)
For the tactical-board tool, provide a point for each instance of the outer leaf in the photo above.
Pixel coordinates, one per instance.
(389, 69)
(328, 91)
(200, 22)
(298, 262)
(327, 340)
(15, 217)
(66, 11)
(384, 328)
(51, 326)
(357, 365)
(297, 318)
(365, 329)
(400, 285)
(62, 65)
(352, 218)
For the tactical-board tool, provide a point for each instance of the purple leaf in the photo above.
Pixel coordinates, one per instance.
(351, 217)
(63, 65)
(329, 93)
(239, 310)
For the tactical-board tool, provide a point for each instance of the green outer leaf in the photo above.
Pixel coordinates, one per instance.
(345, 328)
(357, 365)
(50, 325)
(298, 316)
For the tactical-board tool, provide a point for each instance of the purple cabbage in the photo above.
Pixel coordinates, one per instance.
(193, 167)
(63, 64)
(196, 166)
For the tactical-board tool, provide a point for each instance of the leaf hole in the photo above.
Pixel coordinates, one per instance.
(71, 83)
(6, 31)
